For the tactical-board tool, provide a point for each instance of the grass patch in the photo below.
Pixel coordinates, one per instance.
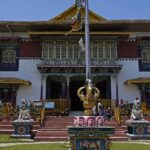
(53, 146)
(66, 146)
(130, 146)
(8, 139)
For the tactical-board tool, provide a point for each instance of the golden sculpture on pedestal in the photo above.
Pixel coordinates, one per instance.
(89, 95)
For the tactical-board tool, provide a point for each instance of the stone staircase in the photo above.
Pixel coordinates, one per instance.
(55, 129)
(6, 126)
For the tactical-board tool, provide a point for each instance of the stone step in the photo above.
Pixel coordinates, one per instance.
(59, 119)
(6, 131)
(119, 138)
(57, 125)
(119, 133)
(6, 122)
(46, 139)
(52, 133)
(124, 127)
(6, 127)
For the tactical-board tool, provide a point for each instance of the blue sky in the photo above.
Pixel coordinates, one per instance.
(38, 10)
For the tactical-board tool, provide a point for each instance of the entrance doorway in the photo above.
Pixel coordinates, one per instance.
(53, 90)
(104, 88)
(76, 103)
(8, 95)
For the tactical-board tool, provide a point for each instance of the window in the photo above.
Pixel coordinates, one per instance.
(48, 49)
(8, 56)
(104, 50)
(61, 50)
(145, 55)
(73, 50)
(70, 49)
(145, 51)
(110, 50)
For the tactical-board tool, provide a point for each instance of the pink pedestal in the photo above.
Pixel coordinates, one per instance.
(88, 121)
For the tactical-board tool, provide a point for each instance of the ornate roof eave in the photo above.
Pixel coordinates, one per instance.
(14, 80)
(92, 33)
(66, 25)
(28, 23)
(140, 80)
(103, 69)
(122, 25)
(79, 33)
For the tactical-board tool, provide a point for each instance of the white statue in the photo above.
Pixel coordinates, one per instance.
(24, 111)
(136, 113)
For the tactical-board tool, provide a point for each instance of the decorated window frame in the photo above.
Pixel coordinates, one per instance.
(9, 56)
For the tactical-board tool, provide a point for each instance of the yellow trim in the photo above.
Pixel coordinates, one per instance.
(71, 11)
(137, 81)
(78, 33)
(14, 81)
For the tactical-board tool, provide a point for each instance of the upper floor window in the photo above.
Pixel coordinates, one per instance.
(145, 55)
(144, 49)
(9, 56)
(70, 49)
(104, 49)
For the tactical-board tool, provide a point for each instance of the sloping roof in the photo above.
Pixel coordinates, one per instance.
(71, 12)
(141, 80)
(12, 80)
(61, 23)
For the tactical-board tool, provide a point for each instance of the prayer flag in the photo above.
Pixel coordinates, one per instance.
(81, 44)
(77, 24)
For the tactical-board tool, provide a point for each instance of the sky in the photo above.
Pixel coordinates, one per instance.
(42, 10)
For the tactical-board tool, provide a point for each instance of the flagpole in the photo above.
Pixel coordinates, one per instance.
(87, 42)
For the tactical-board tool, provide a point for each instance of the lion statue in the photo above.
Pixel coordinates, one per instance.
(24, 111)
(136, 113)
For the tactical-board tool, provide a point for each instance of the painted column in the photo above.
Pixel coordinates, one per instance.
(43, 86)
(41, 92)
(64, 90)
(117, 97)
(68, 95)
(113, 90)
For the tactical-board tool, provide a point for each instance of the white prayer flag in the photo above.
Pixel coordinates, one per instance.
(81, 44)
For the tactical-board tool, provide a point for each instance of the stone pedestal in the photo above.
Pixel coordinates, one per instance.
(22, 128)
(89, 135)
(138, 129)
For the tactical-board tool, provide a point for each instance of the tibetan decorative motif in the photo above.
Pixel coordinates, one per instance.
(90, 138)
(89, 98)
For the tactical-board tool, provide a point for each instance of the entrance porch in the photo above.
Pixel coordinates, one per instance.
(62, 91)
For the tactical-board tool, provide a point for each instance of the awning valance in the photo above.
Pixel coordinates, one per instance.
(12, 80)
(142, 80)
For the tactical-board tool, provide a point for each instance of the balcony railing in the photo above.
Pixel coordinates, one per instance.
(69, 62)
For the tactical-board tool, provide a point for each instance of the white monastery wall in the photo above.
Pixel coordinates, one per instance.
(27, 71)
(130, 70)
